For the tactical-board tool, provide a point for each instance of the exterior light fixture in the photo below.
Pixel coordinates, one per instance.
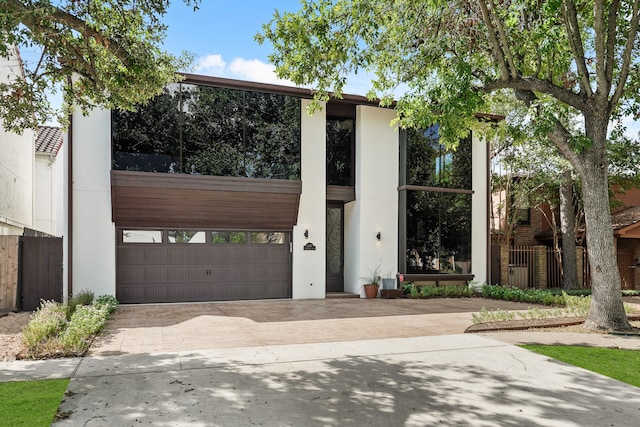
(306, 233)
(378, 236)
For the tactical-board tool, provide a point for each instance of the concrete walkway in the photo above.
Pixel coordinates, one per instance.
(453, 380)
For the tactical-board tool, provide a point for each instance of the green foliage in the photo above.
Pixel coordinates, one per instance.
(615, 363)
(31, 403)
(424, 291)
(108, 301)
(46, 322)
(85, 322)
(84, 297)
(50, 334)
(112, 47)
(535, 296)
(576, 305)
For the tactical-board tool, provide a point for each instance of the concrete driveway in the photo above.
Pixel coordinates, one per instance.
(180, 327)
(346, 379)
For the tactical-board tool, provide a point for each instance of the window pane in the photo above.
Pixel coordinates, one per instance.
(268, 237)
(438, 233)
(237, 237)
(213, 131)
(272, 136)
(339, 151)
(186, 236)
(433, 165)
(141, 236)
(147, 140)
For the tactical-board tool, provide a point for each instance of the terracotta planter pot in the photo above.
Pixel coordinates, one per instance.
(371, 291)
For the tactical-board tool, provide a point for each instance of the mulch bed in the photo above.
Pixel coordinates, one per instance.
(523, 324)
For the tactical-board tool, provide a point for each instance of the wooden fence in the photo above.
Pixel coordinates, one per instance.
(9, 258)
(30, 270)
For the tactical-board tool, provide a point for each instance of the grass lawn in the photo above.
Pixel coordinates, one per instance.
(30, 403)
(621, 365)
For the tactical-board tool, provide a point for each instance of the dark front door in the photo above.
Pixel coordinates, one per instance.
(335, 248)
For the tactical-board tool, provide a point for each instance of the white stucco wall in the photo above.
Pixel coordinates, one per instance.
(376, 206)
(93, 232)
(16, 167)
(308, 271)
(45, 200)
(479, 209)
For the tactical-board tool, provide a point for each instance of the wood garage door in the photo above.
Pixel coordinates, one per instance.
(202, 265)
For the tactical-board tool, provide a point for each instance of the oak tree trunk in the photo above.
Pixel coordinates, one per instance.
(567, 228)
(607, 310)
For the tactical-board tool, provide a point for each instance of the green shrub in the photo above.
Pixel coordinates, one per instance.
(83, 297)
(85, 322)
(49, 333)
(534, 296)
(454, 291)
(108, 301)
(47, 321)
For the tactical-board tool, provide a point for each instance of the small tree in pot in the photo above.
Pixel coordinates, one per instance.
(372, 282)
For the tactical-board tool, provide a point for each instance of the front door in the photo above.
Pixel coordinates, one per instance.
(335, 248)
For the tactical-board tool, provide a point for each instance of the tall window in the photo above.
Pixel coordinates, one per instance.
(199, 129)
(340, 147)
(435, 198)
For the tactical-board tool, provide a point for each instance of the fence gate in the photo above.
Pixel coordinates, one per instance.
(40, 271)
(626, 265)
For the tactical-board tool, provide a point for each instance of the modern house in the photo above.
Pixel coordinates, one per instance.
(221, 189)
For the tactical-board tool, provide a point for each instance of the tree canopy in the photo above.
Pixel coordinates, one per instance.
(111, 47)
(564, 60)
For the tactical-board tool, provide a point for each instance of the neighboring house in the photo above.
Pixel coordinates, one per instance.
(534, 227)
(226, 190)
(49, 172)
(16, 165)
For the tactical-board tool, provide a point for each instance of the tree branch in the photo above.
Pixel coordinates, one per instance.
(575, 40)
(534, 84)
(505, 44)
(598, 26)
(611, 40)
(626, 58)
(493, 41)
(73, 22)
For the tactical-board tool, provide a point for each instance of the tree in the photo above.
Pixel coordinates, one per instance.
(559, 57)
(111, 47)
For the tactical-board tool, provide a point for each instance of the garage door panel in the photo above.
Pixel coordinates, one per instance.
(181, 272)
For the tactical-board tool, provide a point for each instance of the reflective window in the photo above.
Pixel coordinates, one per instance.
(340, 145)
(438, 230)
(432, 164)
(269, 237)
(186, 236)
(198, 129)
(237, 237)
(141, 236)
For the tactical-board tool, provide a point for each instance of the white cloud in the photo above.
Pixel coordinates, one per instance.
(210, 64)
(255, 70)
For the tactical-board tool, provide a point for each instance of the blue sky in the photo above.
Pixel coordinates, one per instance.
(221, 35)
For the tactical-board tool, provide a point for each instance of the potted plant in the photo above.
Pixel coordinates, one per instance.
(372, 282)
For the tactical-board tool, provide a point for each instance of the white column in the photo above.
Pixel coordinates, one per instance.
(309, 273)
(479, 208)
(376, 206)
(94, 251)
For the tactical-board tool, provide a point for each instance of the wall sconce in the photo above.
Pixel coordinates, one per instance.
(378, 236)
(306, 233)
